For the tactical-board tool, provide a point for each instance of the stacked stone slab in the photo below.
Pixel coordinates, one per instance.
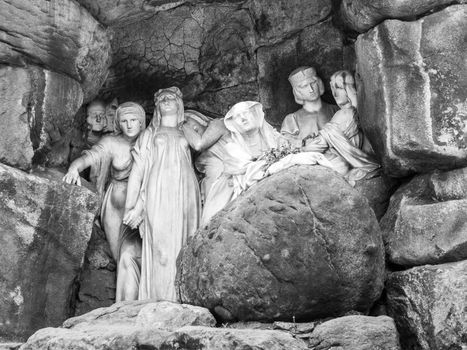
(163, 325)
(412, 85)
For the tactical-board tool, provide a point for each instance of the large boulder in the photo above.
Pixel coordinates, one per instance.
(302, 243)
(428, 304)
(60, 35)
(426, 222)
(45, 227)
(41, 106)
(361, 15)
(356, 333)
(412, 91)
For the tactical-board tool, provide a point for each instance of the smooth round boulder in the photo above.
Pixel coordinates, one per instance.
(302, 243)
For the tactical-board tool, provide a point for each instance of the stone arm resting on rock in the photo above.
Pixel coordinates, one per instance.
(77, 166)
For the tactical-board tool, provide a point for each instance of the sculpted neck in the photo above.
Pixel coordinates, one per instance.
(253, 141)
(169, 120)
(313, 106)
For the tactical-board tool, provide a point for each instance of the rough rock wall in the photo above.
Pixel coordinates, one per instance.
(220, 53)
(412, 98)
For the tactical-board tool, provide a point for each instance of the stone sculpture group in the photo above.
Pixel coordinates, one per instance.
(152, 200)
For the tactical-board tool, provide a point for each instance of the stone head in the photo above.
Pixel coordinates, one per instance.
(306, 85)
(168, 101)
(244, 117)
(96, 116)
(196, 121)
(130, 119)
(343, 89)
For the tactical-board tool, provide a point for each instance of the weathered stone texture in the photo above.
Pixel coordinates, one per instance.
(114, 13)
(60, 35)
(356, 333)
(361, 15)
(45, 227)
(320, 46)
(378, 190)
(98, 276)
(426, 222)
(205, 50)
(123, 326)
(224, 338)
(413, 91)
(428, 304)
(300, 243)
(276, 20)
(34, 113)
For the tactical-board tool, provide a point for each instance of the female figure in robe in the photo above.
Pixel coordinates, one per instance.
(342, 137)
(163, 196)
(112, 156)
(210, 136)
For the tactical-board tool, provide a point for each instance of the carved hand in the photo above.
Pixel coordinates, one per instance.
(133, 218)
(72, 177)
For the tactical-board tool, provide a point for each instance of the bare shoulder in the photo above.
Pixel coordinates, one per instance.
(344, 115)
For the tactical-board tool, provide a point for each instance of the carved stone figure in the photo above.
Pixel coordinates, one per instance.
(210, 136)
(110, 114)
(231, 165)
(96, 121)
(163, 196)
(340, 138)
(112, 156)
(315, 113)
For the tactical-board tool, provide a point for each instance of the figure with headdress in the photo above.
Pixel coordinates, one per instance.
(163, 196)
(335, 135)
(111, 154)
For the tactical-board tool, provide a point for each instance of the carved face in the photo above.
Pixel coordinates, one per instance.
(340, 95)
(308, 90)
(96, 117)
(168, 104)
(245, 120)
(130, 125)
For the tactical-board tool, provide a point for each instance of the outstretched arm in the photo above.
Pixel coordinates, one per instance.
(215, 130)
(77, 166)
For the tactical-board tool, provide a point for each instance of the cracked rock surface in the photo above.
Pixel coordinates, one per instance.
(301, 243)
(223, 52)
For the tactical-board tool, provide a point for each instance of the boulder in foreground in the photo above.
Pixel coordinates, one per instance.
(300, 243)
